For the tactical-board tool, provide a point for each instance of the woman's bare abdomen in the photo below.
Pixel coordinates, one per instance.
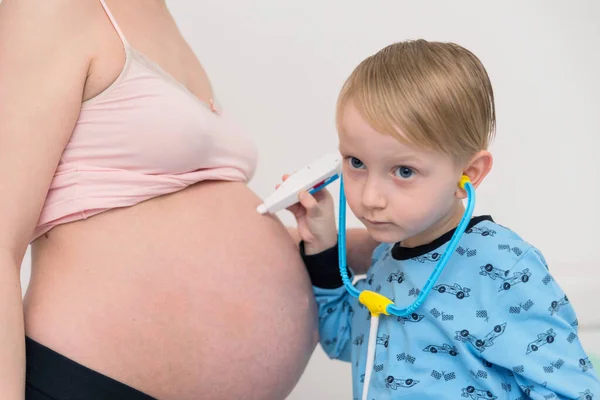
(193, 295)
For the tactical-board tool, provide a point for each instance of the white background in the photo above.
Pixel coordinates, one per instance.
(277, 67)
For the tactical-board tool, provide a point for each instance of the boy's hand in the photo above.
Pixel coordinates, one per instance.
(315, 217)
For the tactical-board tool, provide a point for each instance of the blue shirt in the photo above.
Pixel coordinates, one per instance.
(495, 326)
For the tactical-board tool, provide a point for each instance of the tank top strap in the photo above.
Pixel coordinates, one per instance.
(114, 23)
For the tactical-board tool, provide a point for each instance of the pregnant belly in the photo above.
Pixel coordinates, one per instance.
(189, 296)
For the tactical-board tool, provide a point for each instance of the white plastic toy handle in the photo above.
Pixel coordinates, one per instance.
(313, 177)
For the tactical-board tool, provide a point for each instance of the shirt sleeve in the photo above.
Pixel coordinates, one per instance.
(535, 335)
(335, 305)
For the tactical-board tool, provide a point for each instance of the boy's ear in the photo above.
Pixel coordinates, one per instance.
(477, 169)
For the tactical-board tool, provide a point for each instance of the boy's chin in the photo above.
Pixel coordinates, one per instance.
(386, 236)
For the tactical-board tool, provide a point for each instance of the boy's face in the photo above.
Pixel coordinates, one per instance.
(399, 192)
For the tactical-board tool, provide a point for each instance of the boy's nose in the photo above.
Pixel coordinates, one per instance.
(373, 197)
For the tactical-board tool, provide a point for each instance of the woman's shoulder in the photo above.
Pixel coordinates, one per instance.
(30, 22)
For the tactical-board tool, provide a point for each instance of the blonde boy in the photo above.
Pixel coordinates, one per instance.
(412, 119)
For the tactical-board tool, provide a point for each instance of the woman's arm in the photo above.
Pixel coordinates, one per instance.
(360, 246)
(43, 69)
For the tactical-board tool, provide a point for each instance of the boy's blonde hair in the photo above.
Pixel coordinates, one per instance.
(437, 94)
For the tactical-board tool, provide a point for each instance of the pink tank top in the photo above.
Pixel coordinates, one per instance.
(144, 136)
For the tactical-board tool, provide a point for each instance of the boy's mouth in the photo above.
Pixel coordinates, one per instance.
(376, 223)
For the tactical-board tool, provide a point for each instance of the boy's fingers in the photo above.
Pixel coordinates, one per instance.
(321, 195)
(297, 209)
(309, 202)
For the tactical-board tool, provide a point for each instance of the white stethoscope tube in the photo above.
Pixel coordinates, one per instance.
(370, 354)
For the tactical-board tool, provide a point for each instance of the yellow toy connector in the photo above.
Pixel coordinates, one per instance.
(376, 303)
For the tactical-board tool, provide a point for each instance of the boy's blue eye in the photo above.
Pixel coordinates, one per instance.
(404, 172)
(356, 163)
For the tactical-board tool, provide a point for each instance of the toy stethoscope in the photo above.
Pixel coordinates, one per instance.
(378, 304)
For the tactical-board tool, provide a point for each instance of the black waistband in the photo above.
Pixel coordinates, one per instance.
(60, 378)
